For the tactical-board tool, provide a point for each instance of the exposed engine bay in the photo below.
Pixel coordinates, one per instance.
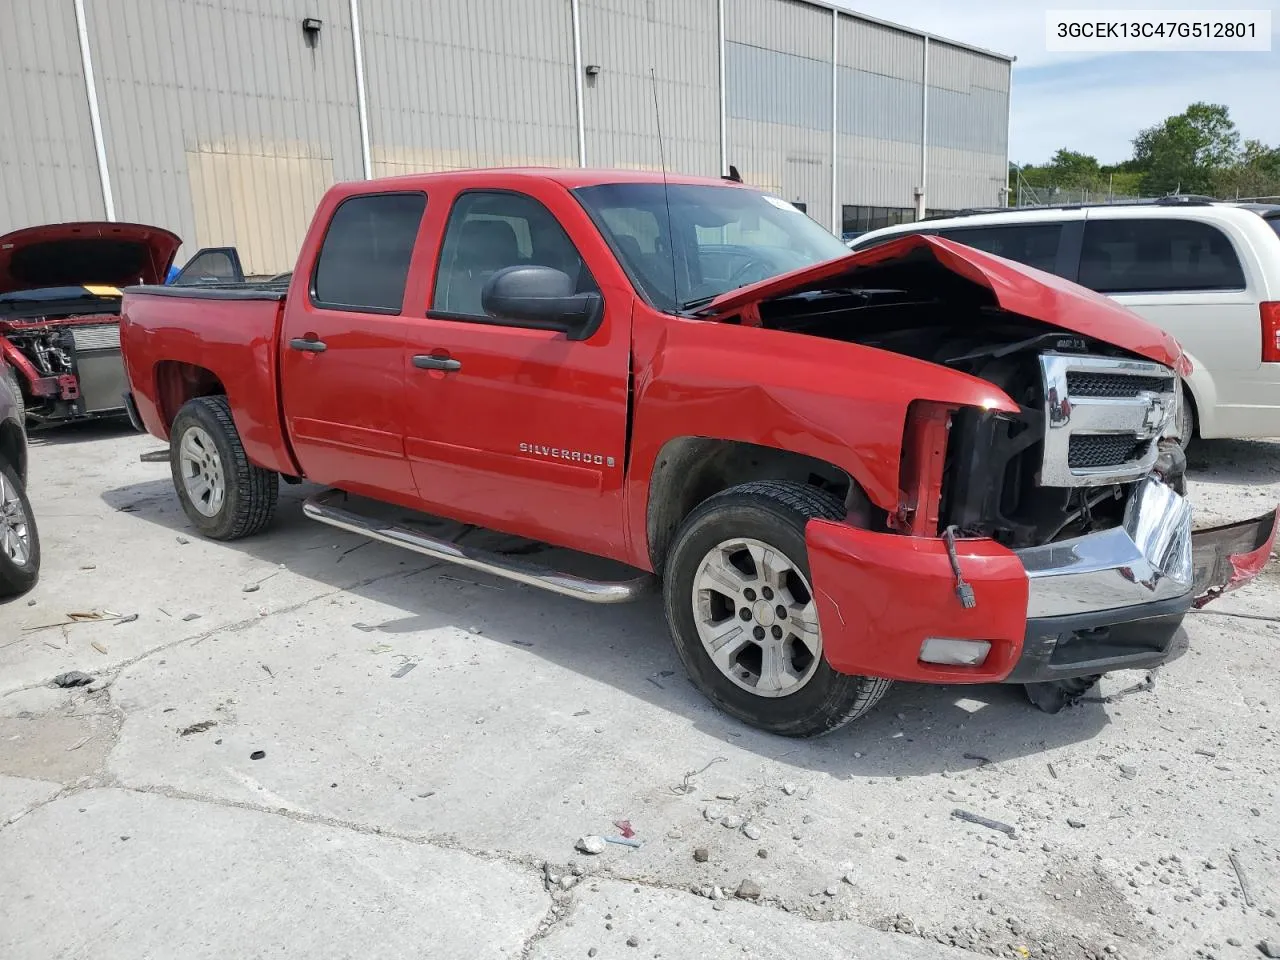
(1093, 420)
(68, 366)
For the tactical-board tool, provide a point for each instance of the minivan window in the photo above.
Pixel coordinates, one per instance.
(1035, 244)
(1275, 224)
(1157, 256)
(364, 260)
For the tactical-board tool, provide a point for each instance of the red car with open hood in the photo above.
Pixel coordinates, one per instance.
(921, 462)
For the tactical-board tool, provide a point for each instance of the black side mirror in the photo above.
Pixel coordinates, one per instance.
(542, 297)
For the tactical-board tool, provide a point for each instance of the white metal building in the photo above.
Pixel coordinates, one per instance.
(225, 120)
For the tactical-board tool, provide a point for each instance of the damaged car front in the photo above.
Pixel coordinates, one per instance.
(59, 312)
(1043, 536)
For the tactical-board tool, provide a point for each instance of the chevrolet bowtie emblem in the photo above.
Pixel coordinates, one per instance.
(1156, 416)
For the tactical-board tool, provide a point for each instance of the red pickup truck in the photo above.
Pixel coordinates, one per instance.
(920, 462)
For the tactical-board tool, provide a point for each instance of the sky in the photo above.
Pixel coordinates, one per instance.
(1097, 103)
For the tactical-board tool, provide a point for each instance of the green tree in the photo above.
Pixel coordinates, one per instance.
(1186, 151)
(1256, 173)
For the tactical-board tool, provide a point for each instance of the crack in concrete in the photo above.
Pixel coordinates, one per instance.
(66, 791)
(236, 626)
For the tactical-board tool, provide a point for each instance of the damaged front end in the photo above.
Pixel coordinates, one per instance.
(59, 311)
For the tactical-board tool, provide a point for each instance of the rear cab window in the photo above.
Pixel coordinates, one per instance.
(364, 260)
(1158, 255)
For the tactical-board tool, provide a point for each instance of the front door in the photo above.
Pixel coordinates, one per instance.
(511, 427)
(342, 349)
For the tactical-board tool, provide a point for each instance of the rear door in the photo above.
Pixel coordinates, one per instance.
(509, 426)
(342, 348)
(1187, 277)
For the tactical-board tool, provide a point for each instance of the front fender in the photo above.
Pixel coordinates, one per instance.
(842, 403)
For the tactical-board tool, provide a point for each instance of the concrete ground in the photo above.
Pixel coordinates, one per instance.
(306, 744)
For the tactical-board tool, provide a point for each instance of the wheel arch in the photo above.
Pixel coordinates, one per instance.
(690, 469)
(178, 381)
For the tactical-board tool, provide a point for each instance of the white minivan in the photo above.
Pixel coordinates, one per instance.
(1208, 272)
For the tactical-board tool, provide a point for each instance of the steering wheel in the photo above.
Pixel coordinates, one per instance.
(750, 272)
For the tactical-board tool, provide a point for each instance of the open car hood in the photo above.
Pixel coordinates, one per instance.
(929, 266)
(85, 255)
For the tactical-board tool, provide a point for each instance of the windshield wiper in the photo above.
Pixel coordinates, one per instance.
(697, 302)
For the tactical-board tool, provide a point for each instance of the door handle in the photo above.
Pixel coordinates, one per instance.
(429, 361)
(309, 346)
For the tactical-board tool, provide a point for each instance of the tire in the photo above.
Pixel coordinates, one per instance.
(813, 699)
(1051, 696)
(11, 378)
(1186, 420)
(18, 535)
(237, 498)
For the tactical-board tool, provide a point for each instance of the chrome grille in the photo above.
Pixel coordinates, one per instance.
(104, 337)
(1080, 384)
(1103, 450)
(1103, 418)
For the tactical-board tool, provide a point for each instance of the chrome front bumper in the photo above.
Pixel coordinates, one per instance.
(1148, 558)
(1152, 557)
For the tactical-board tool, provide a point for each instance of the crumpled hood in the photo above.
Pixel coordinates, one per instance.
(85, 254)
(925, 264)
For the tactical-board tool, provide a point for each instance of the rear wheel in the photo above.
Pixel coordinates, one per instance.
(223, 494)
(742, 613)
(19, 541)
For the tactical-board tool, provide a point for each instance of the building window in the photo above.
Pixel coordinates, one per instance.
(859, 219)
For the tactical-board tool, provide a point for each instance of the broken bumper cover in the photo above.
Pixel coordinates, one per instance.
(1106, 601)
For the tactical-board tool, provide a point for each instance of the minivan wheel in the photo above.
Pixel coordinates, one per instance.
(1186, 419)
(741, 608)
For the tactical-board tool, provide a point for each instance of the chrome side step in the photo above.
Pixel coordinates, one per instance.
(331, 507)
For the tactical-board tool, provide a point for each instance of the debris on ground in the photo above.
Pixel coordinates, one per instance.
(789, 789)
(713, 813)
(633, 941)
(656, 678)
(701, 854)
(404, 669)
(200, 727)
(72, 678)
(686, 785)
(191, 616)
(1246, 888)
(624, 841)
(982, 821)
(250, 588)
(591, 845)
(257, 755)
(99, 647)
(978, 757)
(748, 890)
(79, 743)
(127, 618)
(1075, 824)
(751, 831)
(182, 540)
(732, 821)
(624, 827)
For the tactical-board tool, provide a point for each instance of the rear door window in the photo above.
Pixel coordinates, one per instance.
(1157, 256)
(364, 260)
(1035, 244)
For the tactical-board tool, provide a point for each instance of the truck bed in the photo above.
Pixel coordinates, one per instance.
(227, 335)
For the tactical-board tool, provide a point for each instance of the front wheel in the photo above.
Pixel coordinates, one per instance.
(742, 613)
(224, 494)
(19, 541)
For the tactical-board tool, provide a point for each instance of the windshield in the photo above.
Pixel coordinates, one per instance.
(717, 238)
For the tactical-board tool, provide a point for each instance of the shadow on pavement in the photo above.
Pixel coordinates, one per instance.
(916, 730)
(77, 431)
(1245, 462)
